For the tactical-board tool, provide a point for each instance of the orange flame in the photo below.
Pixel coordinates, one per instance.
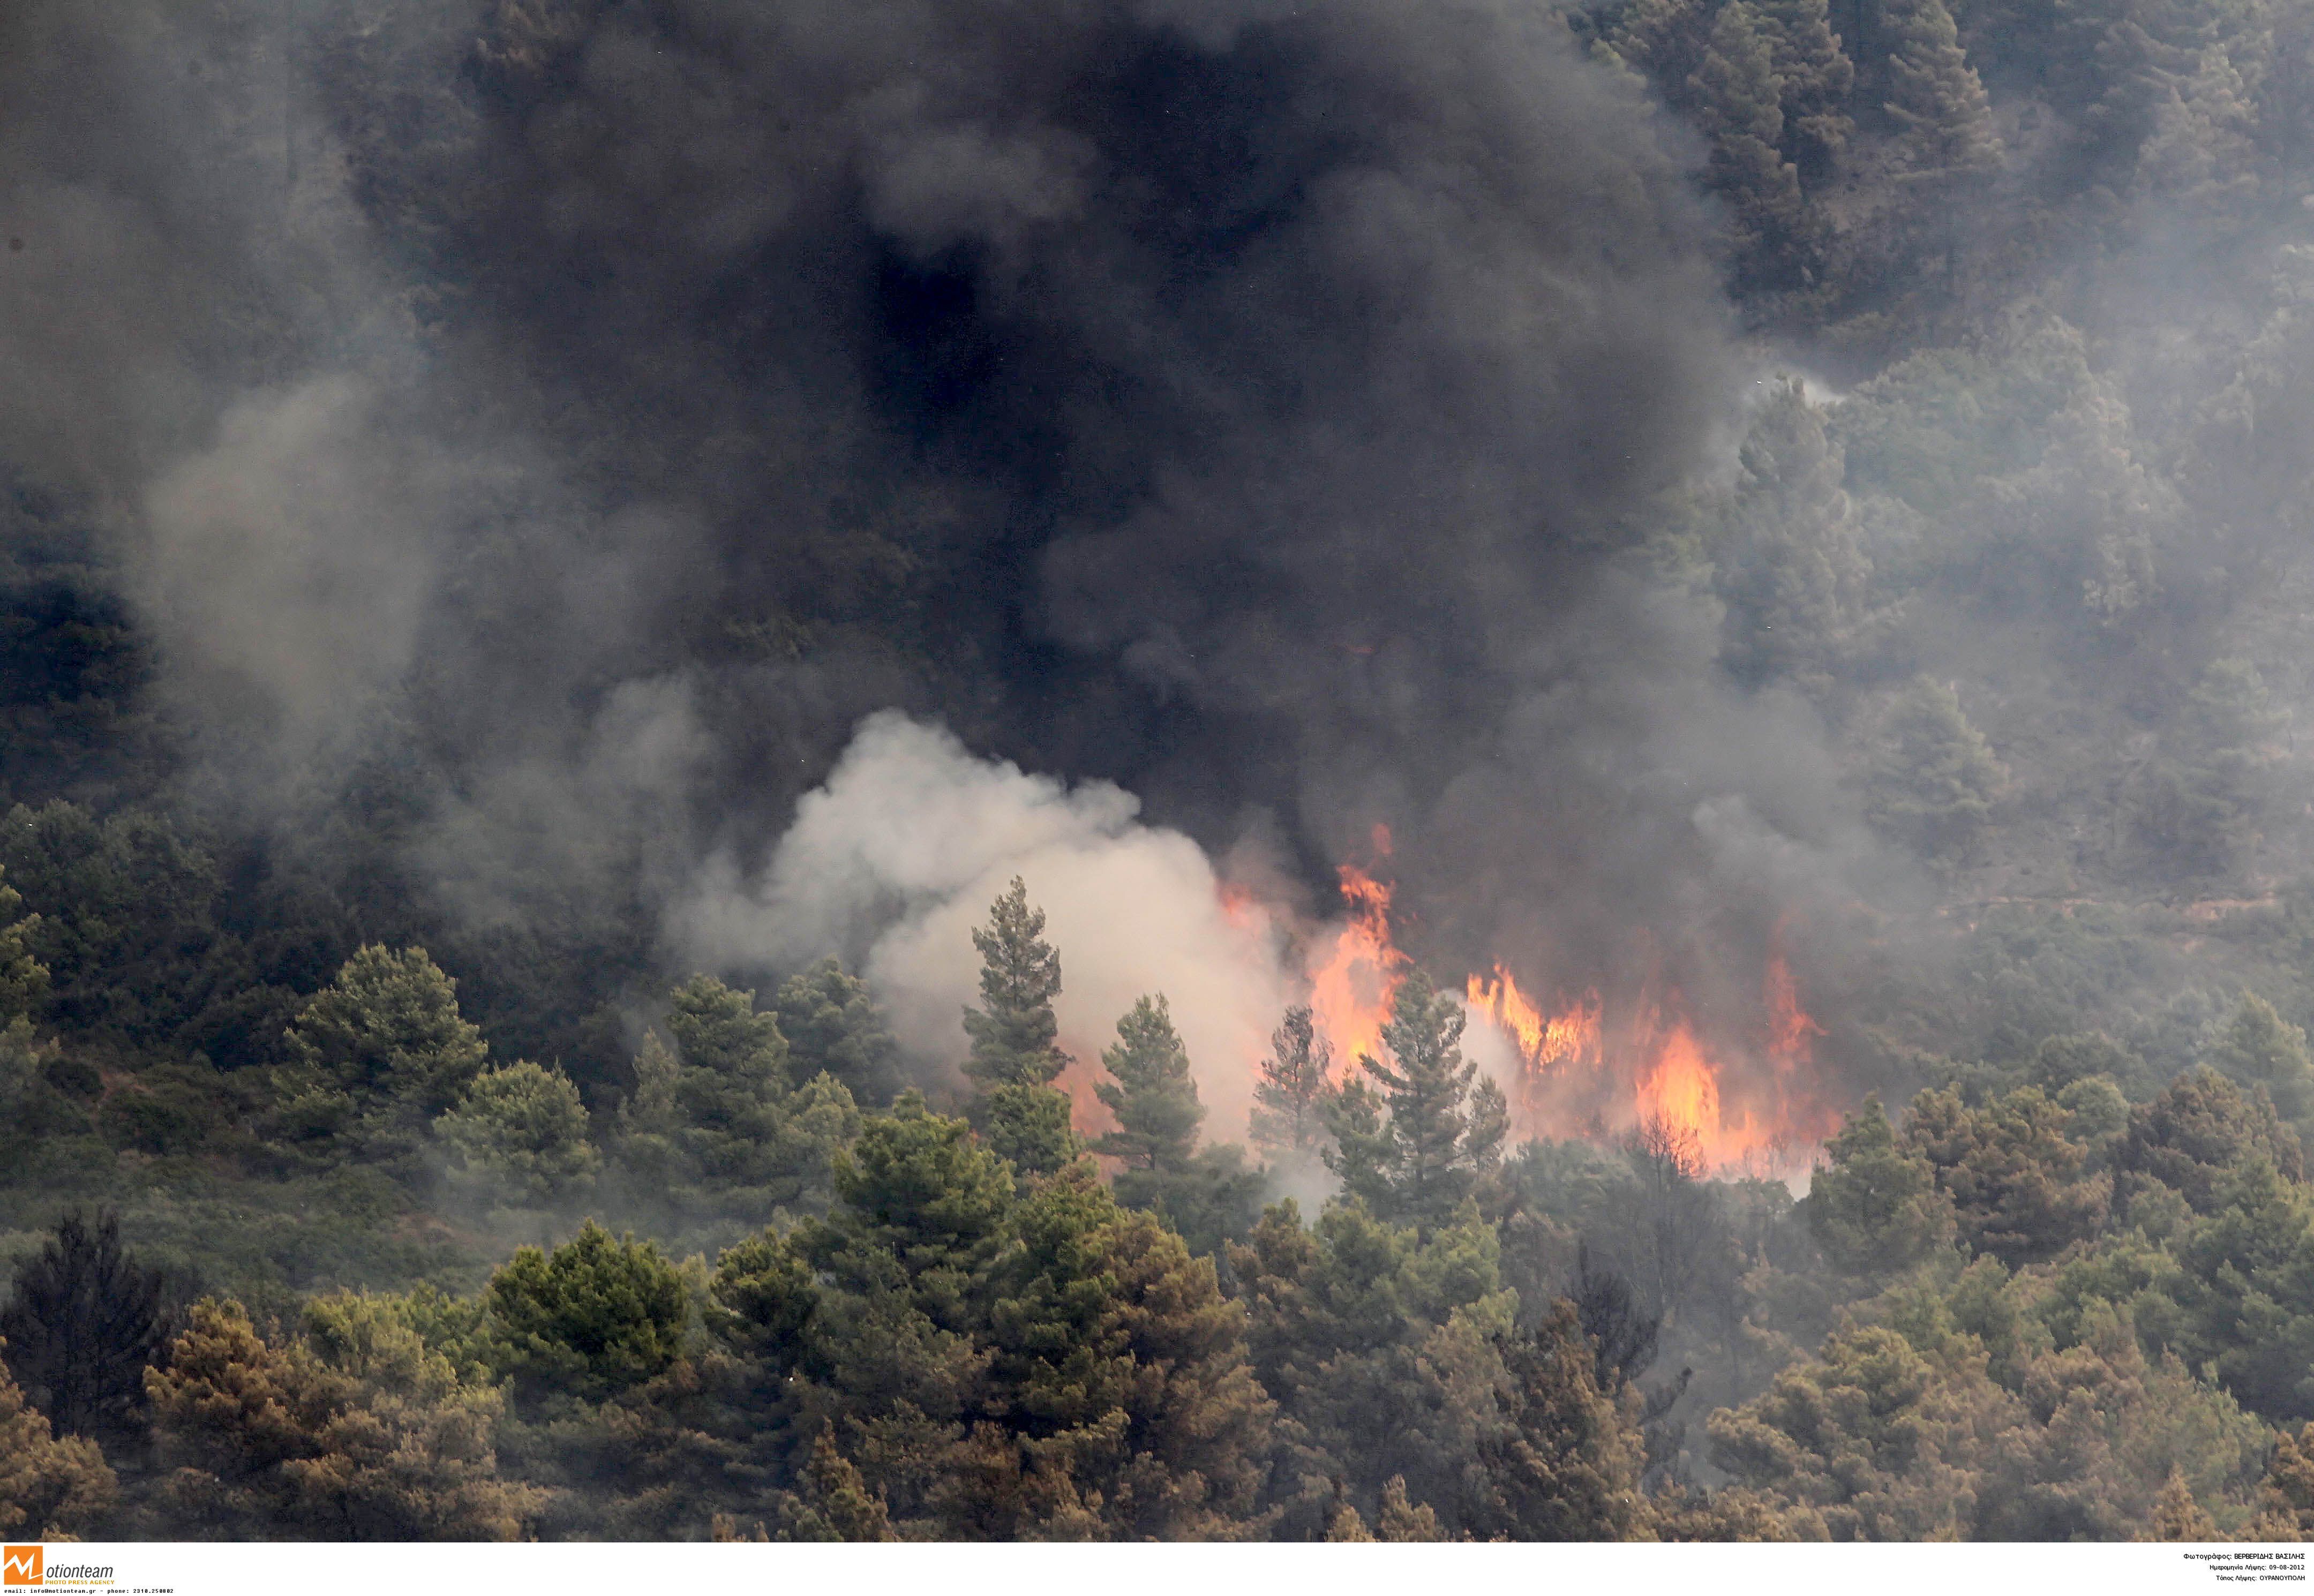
(1789, 1026)
(1352, 987)
(1746, 1107)
(1545, 1041)
(1088, 1116)
(1682, 1089)
(1582, 1076)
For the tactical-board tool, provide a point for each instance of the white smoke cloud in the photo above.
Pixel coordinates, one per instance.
(913, 837)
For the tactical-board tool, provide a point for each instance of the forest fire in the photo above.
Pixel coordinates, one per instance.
(1352, 987)
(1582, 1075)
(1568, 1038)
(1589, 1068)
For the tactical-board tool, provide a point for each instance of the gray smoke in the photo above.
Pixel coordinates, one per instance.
(594, 410)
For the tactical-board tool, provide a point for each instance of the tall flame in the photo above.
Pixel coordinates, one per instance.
(1681, 1089)
(1568, 1038)
(1789, 1026)
(1353, 985)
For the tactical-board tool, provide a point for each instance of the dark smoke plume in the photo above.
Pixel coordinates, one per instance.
(591, 410)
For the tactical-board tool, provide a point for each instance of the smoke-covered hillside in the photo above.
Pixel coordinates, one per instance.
(1236, 767)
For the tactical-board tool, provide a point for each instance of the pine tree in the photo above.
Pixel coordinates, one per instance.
(715, 1128)
(1440, 1133)
(720, 1029)
(1739, 100)
(1380, 1344)
(1665, 39)
(1209, 1196)
(2199, 1135)
(1017, 1365)
(835, 1503)
(1791, 569)
(520, 1133)
(51, 1488)
(1014, 1032)
(375, 1056)
(1123, 1365)
(23, 979)
(2259, 1048)
(832, 1024)
(1946, 140)
(1816, 74)
(1153, 1095)
(1296, 1082)
(1362, 1156)
(2200, 805)
(354, 1431)
(1015, 1049)
(1404, 1520)
(1564, 1465)
(1945, 121)
(1933, 777)
(2176, 1516)
(389, 1027)
(1875, 1208)
(595, 1317)
(2286, 1494)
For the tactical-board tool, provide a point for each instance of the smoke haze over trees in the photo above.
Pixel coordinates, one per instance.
(682, 683)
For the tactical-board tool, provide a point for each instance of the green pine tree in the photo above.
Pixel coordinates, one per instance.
(1790, 566)
(1816, 76)
(1442, 1130)
(1207, 1195)
(1297, 1082)
(1362, 1156)
(2259, 1048)
(1153, 1094)
(594, 1317)
(717, 1029)
(1944, 121)
(389, 1028)
(1875, 1208)
(1933, 778)
(521, 1132)
(1016, 1053)
(1565, 1464)
(832, 1025)
(715, 1128)
(1663, 39)
(1739, 100)
(23, 979)
(376, 1057)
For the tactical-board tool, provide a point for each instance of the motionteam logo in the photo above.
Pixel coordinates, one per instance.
(27, 1565)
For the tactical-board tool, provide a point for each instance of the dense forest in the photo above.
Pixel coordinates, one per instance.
(499, 1040)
